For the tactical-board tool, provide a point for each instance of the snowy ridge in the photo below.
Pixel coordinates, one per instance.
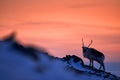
(77, 64)
(19, 62)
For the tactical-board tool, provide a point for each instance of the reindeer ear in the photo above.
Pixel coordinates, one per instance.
(10, 37)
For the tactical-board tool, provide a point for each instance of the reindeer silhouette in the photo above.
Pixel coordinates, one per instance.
(93, 55)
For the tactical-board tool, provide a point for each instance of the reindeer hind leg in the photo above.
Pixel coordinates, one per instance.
(100, 67)
(103, 67)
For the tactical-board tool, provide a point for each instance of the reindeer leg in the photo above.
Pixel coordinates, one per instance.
(103, 67)
(90, 63)
(100, 67)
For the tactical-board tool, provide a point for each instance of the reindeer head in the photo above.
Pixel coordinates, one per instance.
(84, 47)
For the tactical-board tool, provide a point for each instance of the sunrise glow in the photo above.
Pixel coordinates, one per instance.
(59, 25)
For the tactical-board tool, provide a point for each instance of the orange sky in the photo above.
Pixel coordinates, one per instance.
(59, 25)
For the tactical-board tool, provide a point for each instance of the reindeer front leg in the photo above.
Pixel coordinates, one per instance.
(90, 62)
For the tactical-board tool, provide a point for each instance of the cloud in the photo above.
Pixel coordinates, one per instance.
(40, 23)
(92, 3)
(66, 24)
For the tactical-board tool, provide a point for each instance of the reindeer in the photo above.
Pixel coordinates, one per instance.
(93, 55)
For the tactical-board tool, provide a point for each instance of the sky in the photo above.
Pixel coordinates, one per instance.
(60, 25)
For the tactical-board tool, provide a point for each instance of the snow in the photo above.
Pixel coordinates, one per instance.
(14, 65)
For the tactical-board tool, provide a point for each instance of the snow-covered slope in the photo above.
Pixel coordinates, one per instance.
(18, 62)
(77, 64)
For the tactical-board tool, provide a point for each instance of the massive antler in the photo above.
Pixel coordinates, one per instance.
(90, 43)
(82, 42)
